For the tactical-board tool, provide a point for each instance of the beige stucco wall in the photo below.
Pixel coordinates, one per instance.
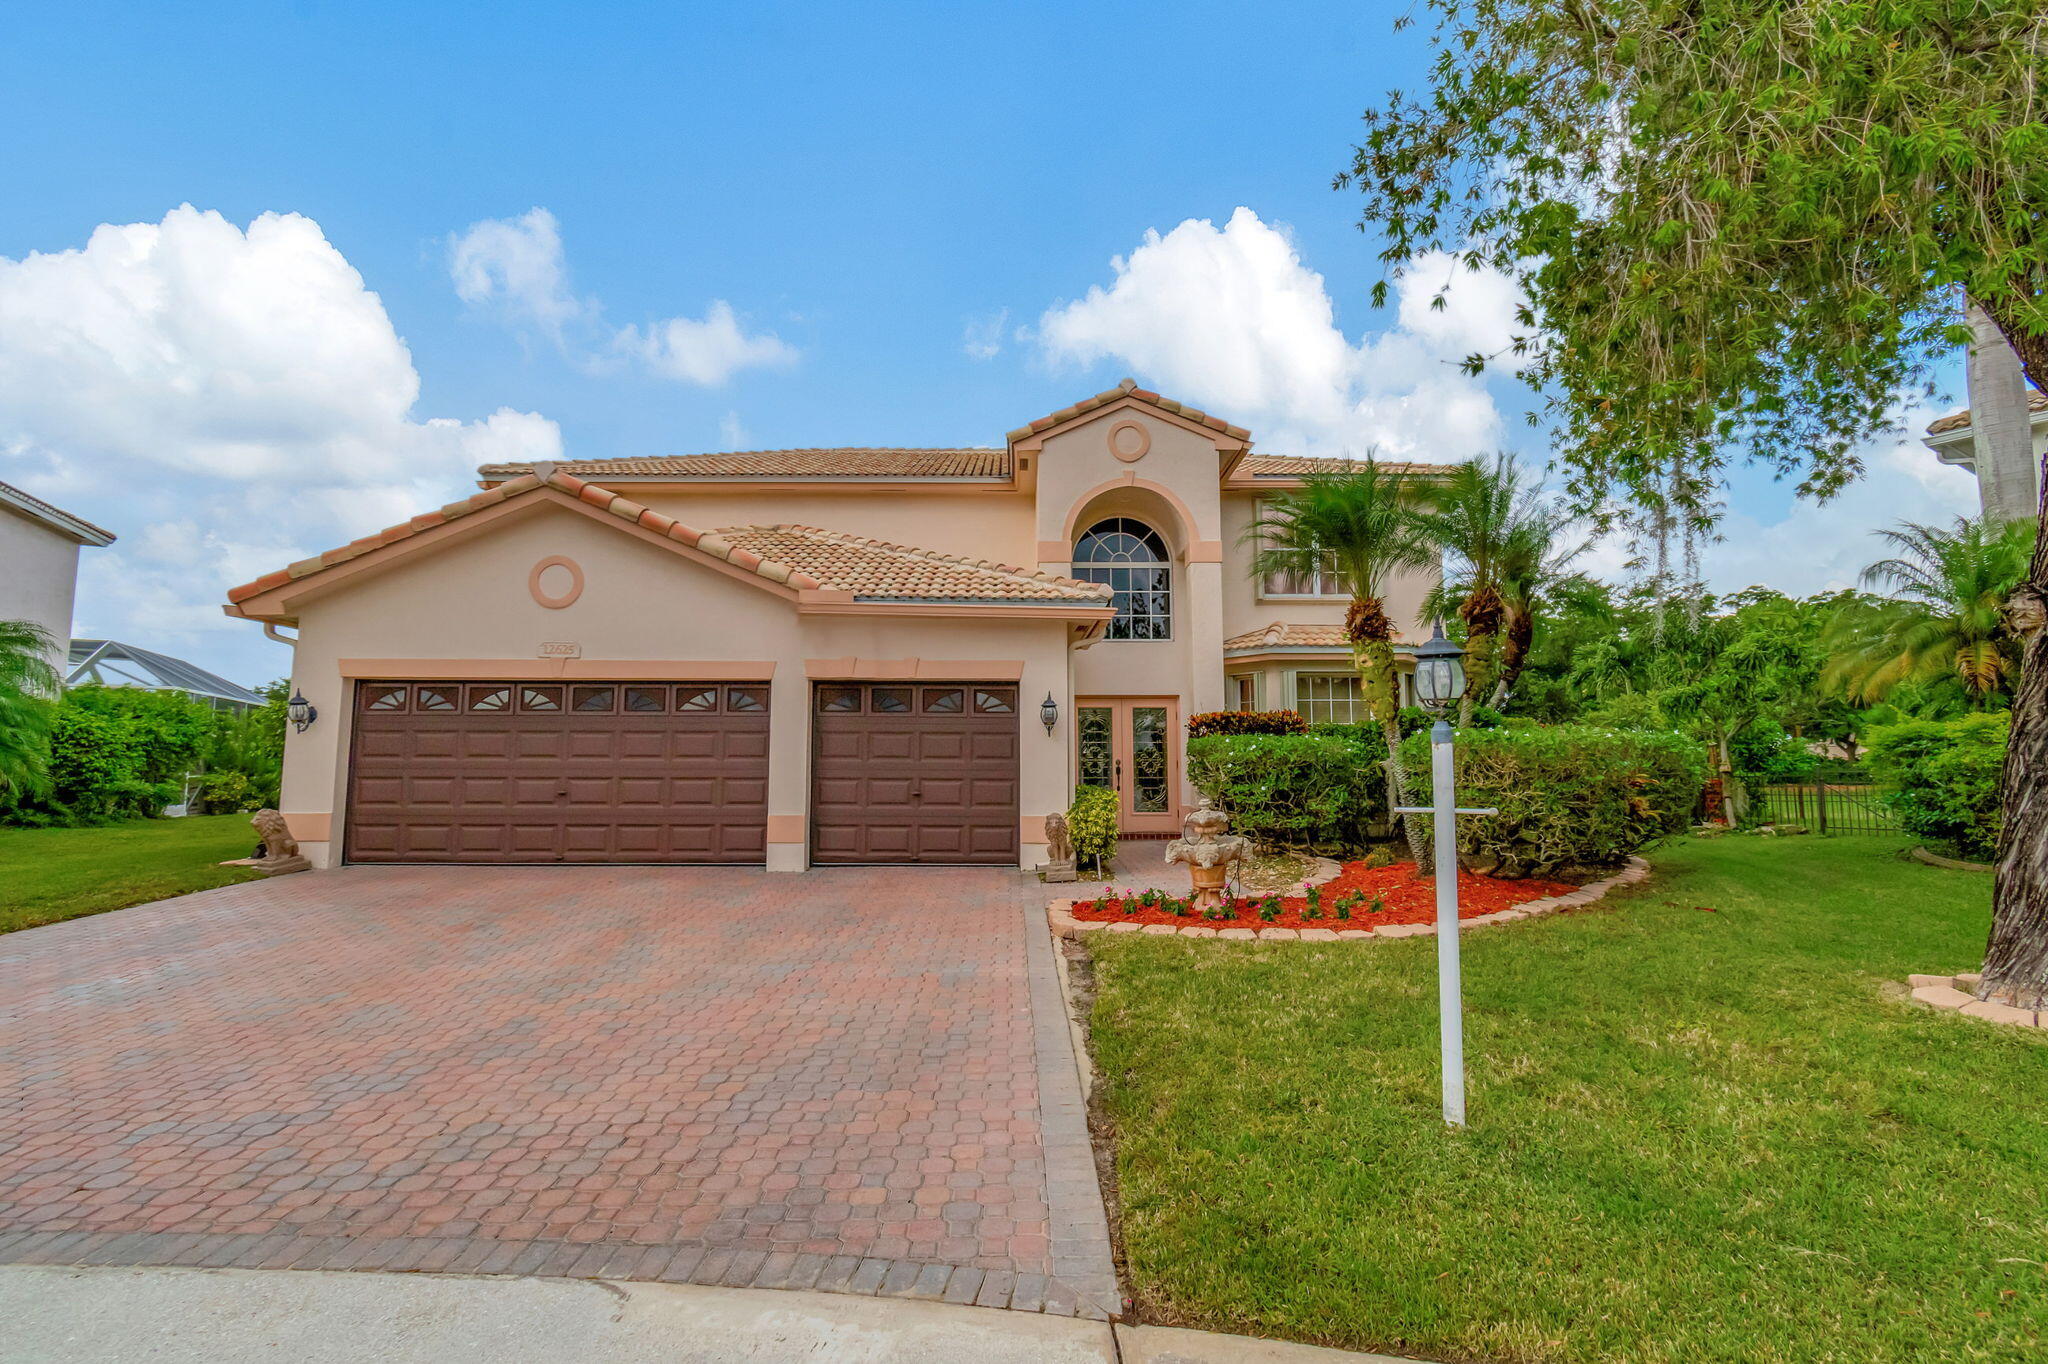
(641, 603)
(979, 524)
(1246, 608)
(38, 577)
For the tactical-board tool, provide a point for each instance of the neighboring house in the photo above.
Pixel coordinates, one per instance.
(110, 663)
(799, 657)
(39, 547)
(1954, 442)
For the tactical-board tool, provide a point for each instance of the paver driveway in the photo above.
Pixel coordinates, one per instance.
(855, 1079)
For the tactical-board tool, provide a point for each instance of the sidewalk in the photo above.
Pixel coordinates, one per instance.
(69, 1315)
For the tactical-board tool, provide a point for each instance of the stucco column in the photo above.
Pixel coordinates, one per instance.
(1205, 636)
(789, 769)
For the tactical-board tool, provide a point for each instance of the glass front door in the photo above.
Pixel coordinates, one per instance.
(1128, 745)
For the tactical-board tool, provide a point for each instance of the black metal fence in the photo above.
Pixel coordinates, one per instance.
(1828, 808)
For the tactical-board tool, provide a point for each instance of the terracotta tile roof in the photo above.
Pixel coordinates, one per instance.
(1295, 635)
(802, 557)
(1288, 635)
(1129, 389)
(56, 518)
(878, 570)
(849, 462)
(604, 498)
(2037, 401)
(1294, 466)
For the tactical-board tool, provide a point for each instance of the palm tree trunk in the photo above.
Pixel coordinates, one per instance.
(1514, 652)
(2016, 957)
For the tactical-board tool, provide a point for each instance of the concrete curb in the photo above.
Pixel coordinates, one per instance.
(1060, 916)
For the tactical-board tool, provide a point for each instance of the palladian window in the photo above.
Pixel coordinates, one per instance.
(1131, 558)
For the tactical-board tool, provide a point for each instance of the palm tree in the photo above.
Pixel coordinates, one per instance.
(28, 689)
(1535, 574)
(1473, 514)
(1354, 521)
(1942, 621)
(1512, 562)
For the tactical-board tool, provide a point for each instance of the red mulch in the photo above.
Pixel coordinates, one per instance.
(1406, 899)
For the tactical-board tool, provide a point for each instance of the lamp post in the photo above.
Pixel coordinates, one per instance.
(1439, 683)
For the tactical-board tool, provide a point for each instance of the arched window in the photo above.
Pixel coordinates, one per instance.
(1131, 558)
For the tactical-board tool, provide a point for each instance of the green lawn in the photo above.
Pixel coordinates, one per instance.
(51, 874)
(1694, 1136)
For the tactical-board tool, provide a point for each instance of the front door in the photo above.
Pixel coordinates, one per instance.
(1131, 745)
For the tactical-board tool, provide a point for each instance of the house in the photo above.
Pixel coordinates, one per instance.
(2009, 489)
(799, 657)
(39, 547)
(2002, 436)
(110, 663)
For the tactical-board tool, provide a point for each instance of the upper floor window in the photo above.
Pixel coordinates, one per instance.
(1131, 558)
(1309, 580)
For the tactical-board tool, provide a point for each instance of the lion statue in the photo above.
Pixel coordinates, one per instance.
(279, 852)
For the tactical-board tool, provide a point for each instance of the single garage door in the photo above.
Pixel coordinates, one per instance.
(914, 773)
(559, 772)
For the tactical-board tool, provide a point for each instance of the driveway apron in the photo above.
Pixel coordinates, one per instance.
(852, 1080)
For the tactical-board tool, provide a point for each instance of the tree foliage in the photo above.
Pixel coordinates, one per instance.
(1942, 619)
(1741, 225)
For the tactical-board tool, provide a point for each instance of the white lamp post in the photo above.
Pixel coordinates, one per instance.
(1439, 683)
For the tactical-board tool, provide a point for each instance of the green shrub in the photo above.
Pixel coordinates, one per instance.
(117, 753)
(1092, 824)
(1571, 798)
(1246, 722)
(1947, 775)
(1292, 790)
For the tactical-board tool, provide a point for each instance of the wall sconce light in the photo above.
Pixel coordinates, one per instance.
(1049, 711)
(301, 711)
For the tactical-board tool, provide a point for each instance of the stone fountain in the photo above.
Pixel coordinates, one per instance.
(1208, 852)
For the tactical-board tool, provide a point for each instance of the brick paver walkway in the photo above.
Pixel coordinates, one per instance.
(648, 1073)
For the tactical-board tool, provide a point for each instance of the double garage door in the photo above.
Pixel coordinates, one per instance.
(559, 772)
(664, 772)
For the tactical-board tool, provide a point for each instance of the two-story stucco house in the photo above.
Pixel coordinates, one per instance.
(39, 547)
(799, 657)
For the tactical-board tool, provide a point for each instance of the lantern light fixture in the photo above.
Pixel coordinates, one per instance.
(301, 711)
(1049, 712)
(1439, 672)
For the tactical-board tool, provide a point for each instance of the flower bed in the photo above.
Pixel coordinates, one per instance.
(1358, 897)
(1407, 907)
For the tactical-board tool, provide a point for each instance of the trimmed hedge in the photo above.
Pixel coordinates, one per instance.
(1312, 791)
(1246, 722)
(1571, 798)
(1947, 773)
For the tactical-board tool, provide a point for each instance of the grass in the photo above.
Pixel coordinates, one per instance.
(48, 875)
(1694, 1136)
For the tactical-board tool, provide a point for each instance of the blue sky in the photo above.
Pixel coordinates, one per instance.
(763, 226)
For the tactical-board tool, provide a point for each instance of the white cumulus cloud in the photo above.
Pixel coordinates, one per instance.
(517, 268)
(225, 400)
(1233, 319)
(706, 352)
(516, 264)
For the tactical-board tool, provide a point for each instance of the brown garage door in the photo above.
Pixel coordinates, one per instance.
(923, 773)
(559, 772)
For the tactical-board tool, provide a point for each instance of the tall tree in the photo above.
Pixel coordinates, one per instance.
(1744, 228)
(1474, 514)
(1943, 619)
(1535, 575)
(28, 691)
(1358, 522)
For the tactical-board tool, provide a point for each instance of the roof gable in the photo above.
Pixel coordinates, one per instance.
(53, 518)
(804, 563)
(1129, 392)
